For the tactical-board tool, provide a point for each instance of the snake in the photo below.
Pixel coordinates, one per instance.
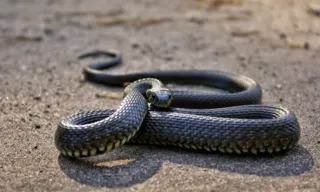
(234, 121)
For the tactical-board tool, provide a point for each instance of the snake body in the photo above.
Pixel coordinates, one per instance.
(233, 122)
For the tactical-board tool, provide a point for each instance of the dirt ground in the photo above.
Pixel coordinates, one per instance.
(277, 43)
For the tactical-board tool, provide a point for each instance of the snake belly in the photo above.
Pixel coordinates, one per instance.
(233, 122)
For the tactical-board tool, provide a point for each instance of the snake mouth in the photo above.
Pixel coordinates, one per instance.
(161, 98)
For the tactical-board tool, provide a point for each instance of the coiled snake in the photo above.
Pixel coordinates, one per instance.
(232, 122)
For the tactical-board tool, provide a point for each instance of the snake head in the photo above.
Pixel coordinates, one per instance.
(159, 97)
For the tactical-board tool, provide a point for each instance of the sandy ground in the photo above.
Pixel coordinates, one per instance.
(277, 43)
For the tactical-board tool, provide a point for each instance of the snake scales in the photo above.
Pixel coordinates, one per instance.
(233, 122)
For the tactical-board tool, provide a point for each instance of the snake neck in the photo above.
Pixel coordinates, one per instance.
(153, 91)
(143, 85)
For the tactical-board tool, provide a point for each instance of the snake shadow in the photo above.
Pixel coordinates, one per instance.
(133, 164)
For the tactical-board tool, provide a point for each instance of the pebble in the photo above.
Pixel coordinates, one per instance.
(168, 58)
(37, 98)
(48, 31)
(135, 45)
(37, 126)
(15, 103)
(279, 86)
(241, 58)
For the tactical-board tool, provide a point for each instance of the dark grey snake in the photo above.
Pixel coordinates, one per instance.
(234, 122)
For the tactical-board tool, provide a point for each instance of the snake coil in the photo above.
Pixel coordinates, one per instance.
(233, 122)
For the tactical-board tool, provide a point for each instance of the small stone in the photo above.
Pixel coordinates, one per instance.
(241, 58)
(279, 86)
(314, 9)
(282, 35)
(15, 103)
(48, 31)
(37, 98)
(168, 58)
(37, 126)
(135, 45)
